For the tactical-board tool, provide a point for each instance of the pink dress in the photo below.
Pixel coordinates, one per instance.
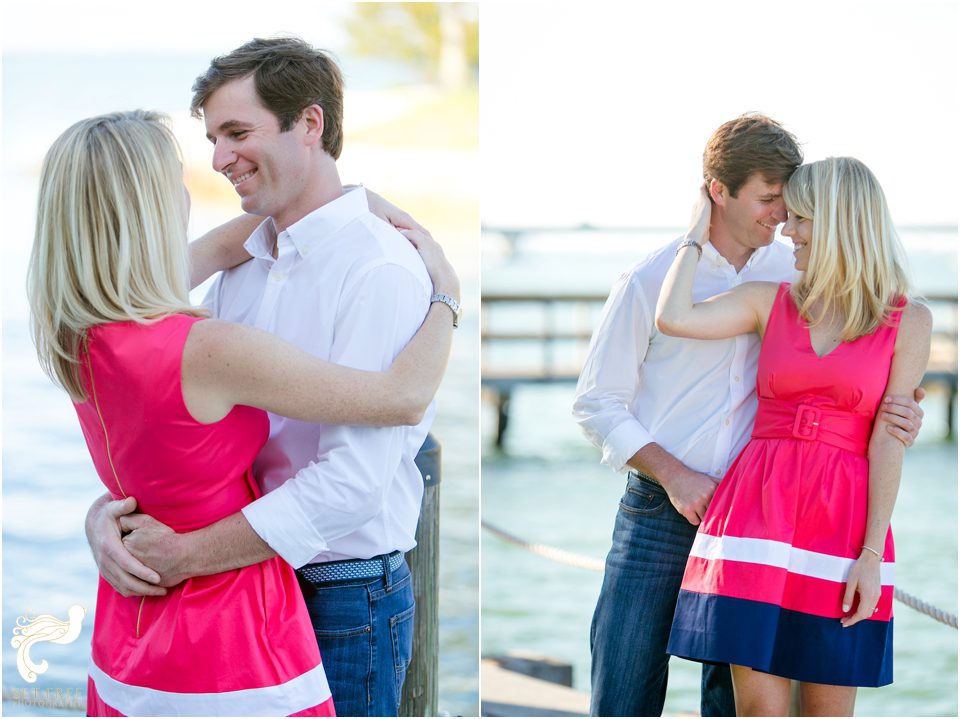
(235, 643)
(765, 580)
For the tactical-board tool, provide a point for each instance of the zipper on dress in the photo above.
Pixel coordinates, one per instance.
(103, 425)
(106, 441)
(139, 612)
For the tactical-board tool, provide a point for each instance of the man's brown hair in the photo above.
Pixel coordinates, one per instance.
(750, 143)
(289, 76)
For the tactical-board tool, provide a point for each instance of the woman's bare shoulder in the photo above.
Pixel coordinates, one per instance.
(211, 331)
(212, 343)
(916, 325)
(760, 294)
(917, 317)
(763, 288)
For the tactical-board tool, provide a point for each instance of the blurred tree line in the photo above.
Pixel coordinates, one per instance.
(442, 39)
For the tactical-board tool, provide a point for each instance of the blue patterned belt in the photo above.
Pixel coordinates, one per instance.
(349, 569)
(640, 475)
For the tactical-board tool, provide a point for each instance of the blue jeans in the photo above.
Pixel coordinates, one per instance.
(365, 631)
(631, 624)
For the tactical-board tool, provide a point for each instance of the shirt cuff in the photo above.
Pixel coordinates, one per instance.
(623, 442)
(285, 528)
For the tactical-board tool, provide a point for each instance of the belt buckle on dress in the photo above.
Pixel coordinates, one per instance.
(806, 424)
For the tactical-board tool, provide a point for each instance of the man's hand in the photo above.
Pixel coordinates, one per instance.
(155, 544)
(690, 492)
(117, 566)
(903, 416)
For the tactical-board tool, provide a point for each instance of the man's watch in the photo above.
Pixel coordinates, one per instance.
(451, 303)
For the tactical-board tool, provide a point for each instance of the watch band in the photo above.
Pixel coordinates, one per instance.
(451, 303)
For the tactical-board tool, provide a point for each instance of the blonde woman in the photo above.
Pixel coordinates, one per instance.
(790, 576)
(172, 408)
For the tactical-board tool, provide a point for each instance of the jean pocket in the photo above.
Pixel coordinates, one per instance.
(643, 497)
(401, 631)
(343, 633)
(348, 656)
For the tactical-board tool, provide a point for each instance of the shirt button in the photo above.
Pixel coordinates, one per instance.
(718, 472)
(736, 379)
(726, 421)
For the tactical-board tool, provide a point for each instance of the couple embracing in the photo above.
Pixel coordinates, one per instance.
(269, 451)
(761, 402)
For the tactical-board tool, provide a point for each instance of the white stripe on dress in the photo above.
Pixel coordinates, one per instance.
(305, 691)
(783, 555)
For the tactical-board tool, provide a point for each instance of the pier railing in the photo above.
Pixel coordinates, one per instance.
(580, 561)
(543, 339)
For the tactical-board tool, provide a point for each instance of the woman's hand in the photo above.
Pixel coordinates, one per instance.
(699, 230)
(388, 212)
(442, 274)
(864, 581)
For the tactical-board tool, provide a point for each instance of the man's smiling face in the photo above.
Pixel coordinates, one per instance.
(753, 215)
(267, 167)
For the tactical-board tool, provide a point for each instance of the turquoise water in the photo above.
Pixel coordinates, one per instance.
(549, 487)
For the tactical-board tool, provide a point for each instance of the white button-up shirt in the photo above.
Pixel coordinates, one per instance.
(348, 288)
(695, 398)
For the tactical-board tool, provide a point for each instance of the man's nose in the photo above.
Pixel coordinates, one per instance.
(223, 156)
(780, 212)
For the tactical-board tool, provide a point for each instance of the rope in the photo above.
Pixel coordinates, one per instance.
(582, 562)
(921, 606)
(557, 555)
(46, 699)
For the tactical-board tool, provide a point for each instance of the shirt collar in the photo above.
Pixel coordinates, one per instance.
(756, 256)
(311, 230)
(717, 260)
(260, 243)
(326, 221)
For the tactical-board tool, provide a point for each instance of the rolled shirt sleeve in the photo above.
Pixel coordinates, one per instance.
(344, 487)
(610, 379)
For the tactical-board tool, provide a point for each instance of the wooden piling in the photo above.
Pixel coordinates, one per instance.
(420, 689)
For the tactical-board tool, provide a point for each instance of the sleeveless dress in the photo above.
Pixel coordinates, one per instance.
(765, 579)
(234, 643)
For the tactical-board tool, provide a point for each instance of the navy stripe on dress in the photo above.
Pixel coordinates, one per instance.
(780, 641)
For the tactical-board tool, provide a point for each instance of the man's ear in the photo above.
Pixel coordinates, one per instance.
(312, 118)
(718, 192)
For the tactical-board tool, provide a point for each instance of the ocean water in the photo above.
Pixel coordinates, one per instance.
(547, 486)
(48, 478)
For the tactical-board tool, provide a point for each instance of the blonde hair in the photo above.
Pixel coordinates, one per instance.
(110, 242)
(857, 266)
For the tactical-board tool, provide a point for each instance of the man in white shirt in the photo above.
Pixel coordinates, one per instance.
(675, 413)
(341, 503)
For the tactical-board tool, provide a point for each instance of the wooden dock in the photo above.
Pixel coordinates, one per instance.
(519, 685)
(553, 333)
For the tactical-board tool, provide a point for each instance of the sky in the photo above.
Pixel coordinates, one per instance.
(176, 26)
(598, 112)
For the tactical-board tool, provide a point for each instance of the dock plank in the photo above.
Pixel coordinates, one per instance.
(504, 693)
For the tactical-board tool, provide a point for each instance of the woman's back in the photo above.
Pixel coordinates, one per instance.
(144, 441)
(238, 642)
